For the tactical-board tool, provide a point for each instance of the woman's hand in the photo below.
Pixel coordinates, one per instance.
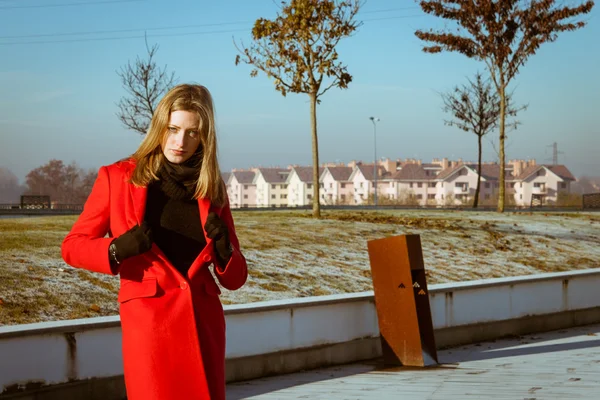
(216, 229)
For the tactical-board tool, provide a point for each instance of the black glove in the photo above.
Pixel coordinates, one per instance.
(135, 241)
(216, 229)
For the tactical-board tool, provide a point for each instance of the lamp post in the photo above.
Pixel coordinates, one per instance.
(375, 120)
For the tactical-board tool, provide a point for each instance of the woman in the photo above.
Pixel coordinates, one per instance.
(159, 219)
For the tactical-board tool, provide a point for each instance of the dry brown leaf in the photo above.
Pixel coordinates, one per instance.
(95, 307)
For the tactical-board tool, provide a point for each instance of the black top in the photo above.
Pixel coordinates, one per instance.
(175, 221)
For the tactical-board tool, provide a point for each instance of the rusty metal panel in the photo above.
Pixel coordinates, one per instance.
(402, 301)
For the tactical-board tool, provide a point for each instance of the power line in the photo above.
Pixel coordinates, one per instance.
(127, 37)
(123, 30)
(69, 4)
(154, 35)
(171, 27)
(161, 28)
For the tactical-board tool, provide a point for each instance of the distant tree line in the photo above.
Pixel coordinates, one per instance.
(65, 184)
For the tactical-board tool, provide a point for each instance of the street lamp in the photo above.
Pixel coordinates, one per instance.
(375, 120)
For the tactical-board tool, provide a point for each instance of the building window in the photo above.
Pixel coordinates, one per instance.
(330, 185)
(361, 184)
(420, 196)
(431, 197)
(309, 196)
(245, 187)
(521, 196)
(419, 184)
(431, 184)
(487, 185)
(245, 196)
(284, 186)
(273, 196)
(563, 185)
(343, 186)
(283, 196)
(410, 184)
(309, 185)
(321, 185)
(343, 197)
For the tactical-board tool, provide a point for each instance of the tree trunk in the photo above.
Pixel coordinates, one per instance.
(315, 152)
(476, 199)
(501, 145)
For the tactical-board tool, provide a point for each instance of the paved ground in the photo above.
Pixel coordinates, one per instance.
(556, 365)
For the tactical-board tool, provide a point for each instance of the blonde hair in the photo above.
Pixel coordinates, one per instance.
(149, 155)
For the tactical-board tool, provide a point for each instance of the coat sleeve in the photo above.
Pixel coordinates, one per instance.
(234, 274)
(86, 245)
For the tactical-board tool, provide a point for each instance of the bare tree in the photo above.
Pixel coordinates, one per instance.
(503, 34)
(475, 107)
(145, 84)
(298, 50)
(66, 184)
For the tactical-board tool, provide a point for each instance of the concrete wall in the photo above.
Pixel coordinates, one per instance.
(283, 336)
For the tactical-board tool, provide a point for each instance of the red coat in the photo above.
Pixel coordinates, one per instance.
(173, 326)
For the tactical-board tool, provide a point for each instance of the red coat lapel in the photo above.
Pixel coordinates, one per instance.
(138, 200)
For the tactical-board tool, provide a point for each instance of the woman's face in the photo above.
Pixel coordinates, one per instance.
(182, 137)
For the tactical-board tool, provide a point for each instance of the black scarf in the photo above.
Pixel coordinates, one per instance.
(178, 181)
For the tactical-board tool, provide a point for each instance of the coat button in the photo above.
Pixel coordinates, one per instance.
(206, 258)
(183, 285)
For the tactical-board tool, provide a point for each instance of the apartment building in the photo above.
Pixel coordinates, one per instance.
(441, 182)
(337, 186)
(300, 186)
(271, 187)
(241, 189)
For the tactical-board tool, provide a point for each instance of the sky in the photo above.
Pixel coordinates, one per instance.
(59, 87)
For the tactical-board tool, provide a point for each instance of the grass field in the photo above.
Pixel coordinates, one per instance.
(292, 255)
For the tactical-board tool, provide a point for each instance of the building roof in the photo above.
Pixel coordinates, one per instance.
(274, 175)
(244, 177)
(560, 170)
(340, 174)
(306, 173)
(489, 172)
(225, 176)
(449, 171)
(411, 172)
(367, 171)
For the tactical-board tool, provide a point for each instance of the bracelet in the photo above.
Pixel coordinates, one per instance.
(112, 249)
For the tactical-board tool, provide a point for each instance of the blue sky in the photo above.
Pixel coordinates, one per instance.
(58, 100)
